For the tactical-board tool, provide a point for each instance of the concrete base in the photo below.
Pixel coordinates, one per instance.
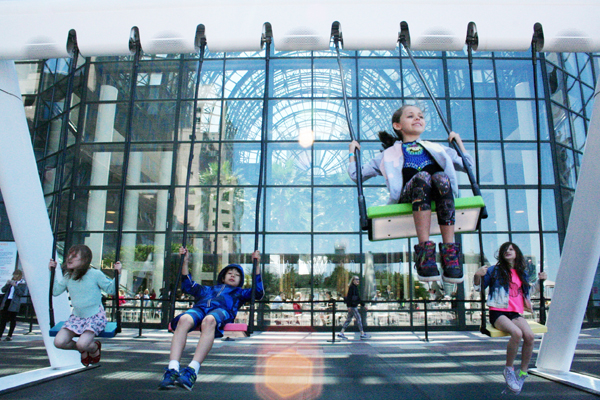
(30, 378)
(579, 381)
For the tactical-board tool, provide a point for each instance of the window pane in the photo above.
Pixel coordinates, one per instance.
(519, 166)
(150, 165)
(331, 209)
(280, 202)
(495, 203)
(330, 164)
(100, 165)
(291, 119)
(291, 78)
(211, 79)
(379, 78)
(244, 78)
(289, 164)
(157, 80)
(154, 121)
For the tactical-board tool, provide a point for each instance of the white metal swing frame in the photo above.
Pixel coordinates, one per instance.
(34, 29)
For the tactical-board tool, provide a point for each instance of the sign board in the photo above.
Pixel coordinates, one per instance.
(8, 260)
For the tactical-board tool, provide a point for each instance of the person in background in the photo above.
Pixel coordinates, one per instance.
(15, 294)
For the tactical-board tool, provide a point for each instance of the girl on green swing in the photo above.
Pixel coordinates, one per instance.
(419, 172)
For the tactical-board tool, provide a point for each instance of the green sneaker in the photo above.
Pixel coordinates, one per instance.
(521, 376)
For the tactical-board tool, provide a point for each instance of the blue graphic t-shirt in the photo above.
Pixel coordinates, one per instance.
(417, 159)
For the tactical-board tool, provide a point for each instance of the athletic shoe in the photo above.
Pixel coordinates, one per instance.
(521, 380)
(511, 380)
(187, 378)
(427, 270)
(8, 339)
(169, 378)
(342, 336)
(453, 272)
(364, 336)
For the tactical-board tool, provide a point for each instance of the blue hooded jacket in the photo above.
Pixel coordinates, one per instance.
(222, 296)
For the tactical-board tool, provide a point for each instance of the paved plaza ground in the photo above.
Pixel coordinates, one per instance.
(298, 365)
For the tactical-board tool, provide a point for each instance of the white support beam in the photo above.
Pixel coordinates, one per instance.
(40, 28)
(24, 201)
(578, 264)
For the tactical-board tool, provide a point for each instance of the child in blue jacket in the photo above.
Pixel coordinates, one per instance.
(214, 307)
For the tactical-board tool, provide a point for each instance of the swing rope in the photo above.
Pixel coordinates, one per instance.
(362, 208)
(135, 43)
(188, 176)
(534, 47)
(60, 168)
(261, 173)
(467, 165)
(471, 42)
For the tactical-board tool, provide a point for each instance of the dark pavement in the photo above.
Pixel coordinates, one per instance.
(299, 365)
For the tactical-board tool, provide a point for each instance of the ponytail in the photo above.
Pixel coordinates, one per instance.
(387, 140)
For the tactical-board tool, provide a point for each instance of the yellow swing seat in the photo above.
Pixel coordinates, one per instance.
(395, 221)
(535, 327)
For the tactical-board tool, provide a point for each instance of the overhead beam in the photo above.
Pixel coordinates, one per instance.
(34, 29)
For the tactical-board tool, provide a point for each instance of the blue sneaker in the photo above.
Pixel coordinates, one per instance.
(187, 378)
(169, 379)
(342, 336)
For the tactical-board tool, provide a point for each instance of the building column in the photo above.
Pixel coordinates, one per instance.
(26, 209)
(162, 198)
(96, 211)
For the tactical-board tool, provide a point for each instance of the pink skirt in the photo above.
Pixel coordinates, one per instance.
(95, 323)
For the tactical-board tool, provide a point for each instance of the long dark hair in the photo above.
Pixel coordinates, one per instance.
(503, 266)
(387, 139)
(86, 256)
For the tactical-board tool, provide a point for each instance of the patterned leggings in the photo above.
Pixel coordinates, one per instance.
(353, 312)
(424, 188)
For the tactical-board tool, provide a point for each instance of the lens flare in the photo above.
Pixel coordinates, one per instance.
(306, 137)
(290, 373)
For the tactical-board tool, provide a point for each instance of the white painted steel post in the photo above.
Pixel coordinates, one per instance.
(24, 200)
(578, 261)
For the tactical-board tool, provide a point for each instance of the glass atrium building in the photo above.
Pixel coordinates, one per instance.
(114, 193)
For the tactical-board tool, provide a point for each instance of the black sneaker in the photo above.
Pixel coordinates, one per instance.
(427, 270)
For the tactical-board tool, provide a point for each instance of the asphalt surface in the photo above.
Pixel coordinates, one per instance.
(298, 365)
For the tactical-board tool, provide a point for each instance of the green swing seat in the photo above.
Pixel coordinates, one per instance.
(535, 327)
(395, 221)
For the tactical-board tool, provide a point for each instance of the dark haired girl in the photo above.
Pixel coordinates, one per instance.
(419, 172)
(508, 297)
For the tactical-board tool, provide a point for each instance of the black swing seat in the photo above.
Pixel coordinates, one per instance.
(109, 331)
(535, 327)
(395, 221)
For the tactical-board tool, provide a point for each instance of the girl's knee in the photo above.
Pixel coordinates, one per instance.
(58, 343)
(424, 176)
(517, 335)
(528, 337)
(81, 346)
(440, 177)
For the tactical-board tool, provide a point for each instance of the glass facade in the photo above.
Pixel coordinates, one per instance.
(129, 138)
